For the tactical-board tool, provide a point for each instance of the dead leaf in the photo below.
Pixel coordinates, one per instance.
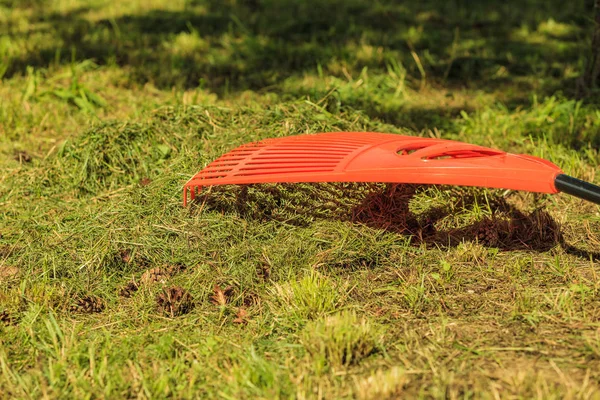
(378, 311)
(242, 316)
(7, 272)
(220, 296)
(145, 181)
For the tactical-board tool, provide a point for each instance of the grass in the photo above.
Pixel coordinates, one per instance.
(109, 288)
(339, 340)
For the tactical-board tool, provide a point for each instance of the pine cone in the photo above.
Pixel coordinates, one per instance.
(153, 275)
(264, 271)
(22, 157)
(88, 305)
(488, 234)
(175, 269)
(174, 301)
(125, 255)
(250, 299)
(6, 318)
(129, 289)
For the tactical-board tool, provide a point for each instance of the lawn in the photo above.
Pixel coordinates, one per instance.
(110, 288)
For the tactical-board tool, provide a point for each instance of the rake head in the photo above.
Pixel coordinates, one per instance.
(384, 157)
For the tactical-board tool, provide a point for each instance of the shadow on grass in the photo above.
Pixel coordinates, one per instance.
(388, 207)
(236, 45)
(419, 119)
(510, 49)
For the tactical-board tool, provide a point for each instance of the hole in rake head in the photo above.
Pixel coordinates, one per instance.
(405, 151)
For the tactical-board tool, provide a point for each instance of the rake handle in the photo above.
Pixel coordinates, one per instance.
(578, 188)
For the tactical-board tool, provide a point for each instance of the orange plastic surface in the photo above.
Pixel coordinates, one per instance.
(375, 157)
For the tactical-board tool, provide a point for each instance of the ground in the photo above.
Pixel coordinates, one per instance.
(110, 288)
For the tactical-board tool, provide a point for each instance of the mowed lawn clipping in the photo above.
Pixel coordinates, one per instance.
(110, 288)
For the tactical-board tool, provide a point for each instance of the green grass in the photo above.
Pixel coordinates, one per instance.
(109, 288)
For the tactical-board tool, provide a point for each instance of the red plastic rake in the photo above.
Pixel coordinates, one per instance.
(384, 157)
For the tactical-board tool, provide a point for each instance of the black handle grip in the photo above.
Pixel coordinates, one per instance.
(576, 187)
